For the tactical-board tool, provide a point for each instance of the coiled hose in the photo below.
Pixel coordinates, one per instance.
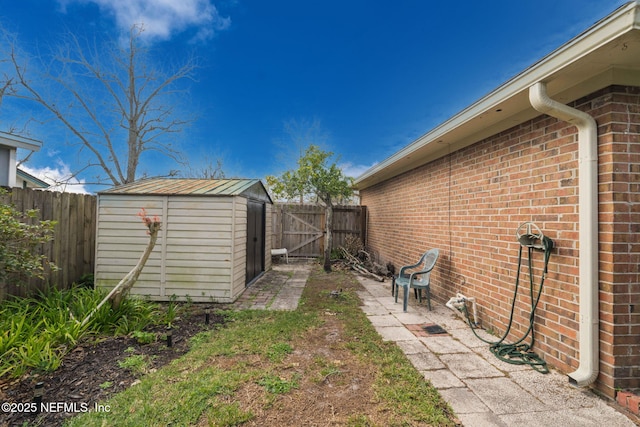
(519, 353)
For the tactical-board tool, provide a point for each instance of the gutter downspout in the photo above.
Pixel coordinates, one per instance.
(588, 370)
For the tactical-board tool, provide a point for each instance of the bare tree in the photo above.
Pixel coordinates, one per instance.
(110, 97)
(7, 83)
(209, 169)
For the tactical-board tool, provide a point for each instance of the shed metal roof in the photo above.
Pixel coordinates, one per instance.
(191, 187)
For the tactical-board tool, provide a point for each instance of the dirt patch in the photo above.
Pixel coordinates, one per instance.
(91, 373)
(334, 386)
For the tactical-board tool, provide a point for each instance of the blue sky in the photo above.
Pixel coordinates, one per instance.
(372, 76)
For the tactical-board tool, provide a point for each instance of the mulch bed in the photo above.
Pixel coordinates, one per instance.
(90, 373)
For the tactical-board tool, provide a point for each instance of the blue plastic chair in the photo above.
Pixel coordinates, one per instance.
(418, 280)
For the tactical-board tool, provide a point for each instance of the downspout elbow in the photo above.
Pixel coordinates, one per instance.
(588, 369)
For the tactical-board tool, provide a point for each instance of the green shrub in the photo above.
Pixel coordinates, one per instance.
(20, 237)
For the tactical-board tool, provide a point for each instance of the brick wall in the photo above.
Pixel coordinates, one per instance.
(470, 203)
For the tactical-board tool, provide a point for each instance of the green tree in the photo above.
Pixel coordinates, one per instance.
(315, 177)
(20, 238)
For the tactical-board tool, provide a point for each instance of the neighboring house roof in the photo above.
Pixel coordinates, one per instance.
(608, 53)
(193, 187)
(36, 182)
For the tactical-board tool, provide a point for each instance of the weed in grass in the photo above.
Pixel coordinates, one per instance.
(136, 363)
(105, 385)
(278, 351)
(227, 415)
(199, 338)
(327, 369)
(278, 385)
(359, 421)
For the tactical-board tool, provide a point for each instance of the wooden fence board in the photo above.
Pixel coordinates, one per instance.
(301, 228)
(73, 246)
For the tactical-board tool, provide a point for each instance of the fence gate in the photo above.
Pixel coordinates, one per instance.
(303, 230)
(300, 228)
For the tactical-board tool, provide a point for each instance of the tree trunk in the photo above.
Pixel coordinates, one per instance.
(120, 291)
(117, 294)
(328, 241)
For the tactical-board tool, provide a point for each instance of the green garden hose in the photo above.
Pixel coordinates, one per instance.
(519, 353)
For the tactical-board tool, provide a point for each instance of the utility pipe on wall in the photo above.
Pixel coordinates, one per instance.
(588, 370)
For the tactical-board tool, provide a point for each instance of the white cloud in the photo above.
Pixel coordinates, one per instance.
(60, 178)
(162, 18)
(354, 171)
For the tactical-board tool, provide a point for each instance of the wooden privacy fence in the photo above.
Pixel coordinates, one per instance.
(73, 246)
(301, 228)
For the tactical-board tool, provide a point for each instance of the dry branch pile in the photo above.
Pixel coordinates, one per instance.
(355, 257)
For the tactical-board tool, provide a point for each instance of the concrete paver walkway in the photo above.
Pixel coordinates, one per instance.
(481, 389)
(278, 289)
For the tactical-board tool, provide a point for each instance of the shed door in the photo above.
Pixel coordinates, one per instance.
(255, 239)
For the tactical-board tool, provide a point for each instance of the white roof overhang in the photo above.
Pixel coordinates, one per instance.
(607, 53)
(14, 141)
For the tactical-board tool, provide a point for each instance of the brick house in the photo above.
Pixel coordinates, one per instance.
(527, 152)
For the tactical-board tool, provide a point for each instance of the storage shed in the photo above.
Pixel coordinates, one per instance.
(211, 246)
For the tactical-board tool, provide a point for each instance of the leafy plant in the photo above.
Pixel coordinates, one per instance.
(86, 280)
(136, 363)
(21, 234)
(144, 337)
(172, 310)
(36, 332)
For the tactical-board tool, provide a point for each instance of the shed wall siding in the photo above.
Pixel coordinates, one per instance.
(240, 247)
(470, 203)
(121, 239)
(198, 247)
(196, 252)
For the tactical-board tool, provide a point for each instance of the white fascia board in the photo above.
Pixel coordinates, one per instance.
(14, 141)
(623, 20)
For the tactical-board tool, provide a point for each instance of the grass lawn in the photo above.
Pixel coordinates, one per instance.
(323, 364)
